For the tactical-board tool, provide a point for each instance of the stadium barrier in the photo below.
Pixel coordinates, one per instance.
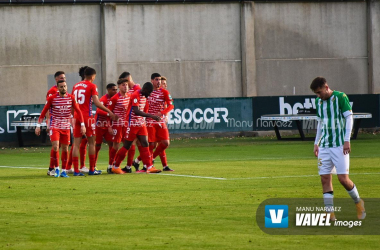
(209, 115)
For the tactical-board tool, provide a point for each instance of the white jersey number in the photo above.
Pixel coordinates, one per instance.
(79, 96)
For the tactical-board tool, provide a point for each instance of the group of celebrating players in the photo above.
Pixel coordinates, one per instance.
(132, 115)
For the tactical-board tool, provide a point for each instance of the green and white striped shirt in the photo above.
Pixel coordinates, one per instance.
(331, 115)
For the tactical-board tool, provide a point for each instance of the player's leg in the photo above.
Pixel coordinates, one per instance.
(100, 133)
(64, 142)
(77, 140)
(342, 165)
(120, 156)
(131, 155)
(145, 153)
(325, 166)
(82, 155)
(119, 133)
(54, 153)
(90, 134)
(69, 161)
(162, 135)
(51, 171)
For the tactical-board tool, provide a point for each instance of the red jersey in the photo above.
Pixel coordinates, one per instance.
(134, 88)
(60, 111)
(119, 106)
(102, 116)
(53, 90)
(159, 100)
(137, 100)
(83, 92)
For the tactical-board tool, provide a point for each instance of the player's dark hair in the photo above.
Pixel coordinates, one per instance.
(60, 81)
(125, 74)
(154, 75)
(120, 81)
(148, 86)
(89, 72)
(58, 73)
(81, 71)
(317, 83)
(110, 85)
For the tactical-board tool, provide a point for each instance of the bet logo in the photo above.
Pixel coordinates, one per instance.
(276, 216)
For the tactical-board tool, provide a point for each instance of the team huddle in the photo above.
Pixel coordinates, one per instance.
(132, 115)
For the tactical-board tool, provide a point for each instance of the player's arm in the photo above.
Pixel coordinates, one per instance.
(168, 102)
(346, 109)
(143, 114)
(79, 116)
(317, 138)
(101, 106)
(42, 116)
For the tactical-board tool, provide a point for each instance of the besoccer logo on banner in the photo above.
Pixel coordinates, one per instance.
(276, 216)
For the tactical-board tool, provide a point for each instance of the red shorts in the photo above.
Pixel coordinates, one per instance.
(157, 132)
(61, 135)
(118, 133)
(102, 132)
(132, 132)
(89, 123)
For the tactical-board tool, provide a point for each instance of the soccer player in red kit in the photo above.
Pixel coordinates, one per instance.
(86, 93)
(160, 103)
(103, 125)
(137, 129)
(132, 88)
(119, 104)
(60, 106)
(58, 76)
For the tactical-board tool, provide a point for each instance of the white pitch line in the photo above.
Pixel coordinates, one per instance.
(221, 178)
(196, 176)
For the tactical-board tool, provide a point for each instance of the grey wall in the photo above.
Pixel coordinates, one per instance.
(37, 41)
(205, 50)
(297, 42)
(197, 46)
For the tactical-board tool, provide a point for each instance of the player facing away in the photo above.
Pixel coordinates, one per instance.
(119, 104)
(83, 144)
(132, 88)
(86, 93)
(137, 129)
(103, 125)
(332, 143)
(60, 106)
(58, 76)
(160, 103)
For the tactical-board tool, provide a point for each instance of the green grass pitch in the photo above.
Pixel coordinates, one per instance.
(209, 202)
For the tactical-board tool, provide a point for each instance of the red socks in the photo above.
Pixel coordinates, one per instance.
(82, 152)
(112, 153)
(64, 159)
(131, 154)
(145, 156)
(163, 159)
(92, 162)
(70, 159)
(97, 149)
(161, 148)
(75, 163)
(120, 156)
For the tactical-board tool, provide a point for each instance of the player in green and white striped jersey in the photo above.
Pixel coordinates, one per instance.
(332, 143)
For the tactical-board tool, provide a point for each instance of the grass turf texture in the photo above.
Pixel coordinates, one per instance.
(139, 211)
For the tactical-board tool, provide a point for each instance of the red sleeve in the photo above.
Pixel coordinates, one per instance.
(146, 108)
(94, 89)
(169, 102)
(113, 102)
(77, 109)
(45, 109)
(135, 98)
(104, 101)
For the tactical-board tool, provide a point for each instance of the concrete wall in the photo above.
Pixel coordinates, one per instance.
(37, 41)
(205, 50)
(197, 46)
(296, 42)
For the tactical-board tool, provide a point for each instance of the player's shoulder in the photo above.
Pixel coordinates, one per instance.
(339, 93)
(136, 86)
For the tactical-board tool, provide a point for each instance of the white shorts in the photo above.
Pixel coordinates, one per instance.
(330, 157)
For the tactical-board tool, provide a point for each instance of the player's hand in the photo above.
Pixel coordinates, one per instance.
(156, 118)
(316, 150)
(110, 131)
(158, 114)
(346, 147)
(37, 131)
(83, 130)
(113, 117)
